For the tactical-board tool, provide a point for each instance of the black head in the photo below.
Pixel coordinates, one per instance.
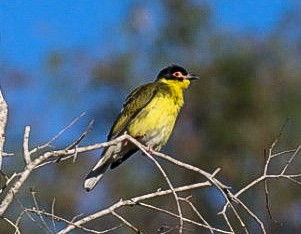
(175, 72)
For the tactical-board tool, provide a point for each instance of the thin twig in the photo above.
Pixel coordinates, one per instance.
(242, 224)
(170, 186)
(17, 230)
(52, 212)
(282, 153)
(253, 215)
(267, 199)
(143, 204)
(221, 187)
(79, 139)
(82, 136)
(265, 172)
(227, 220)
(129, 202)
(36, 205)
(76, 217)
(264, 177)
(55, 217)
(14, 189)
(127, 223)
(26, 152)
(48, 143)
(4, 154)
(290, 160)
(197, 213)
(211, 177)
(8, 180)
(293, 180)
(3, 121)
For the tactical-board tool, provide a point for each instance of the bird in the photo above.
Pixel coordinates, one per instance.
(148, 114)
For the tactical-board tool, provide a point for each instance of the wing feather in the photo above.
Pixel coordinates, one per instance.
(134, 103)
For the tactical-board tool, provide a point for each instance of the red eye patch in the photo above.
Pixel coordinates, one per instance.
(178, 75)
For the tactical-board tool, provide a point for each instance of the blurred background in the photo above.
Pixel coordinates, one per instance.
(62, 58)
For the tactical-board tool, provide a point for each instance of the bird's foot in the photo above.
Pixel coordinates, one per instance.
(125, 142)
(150, 149)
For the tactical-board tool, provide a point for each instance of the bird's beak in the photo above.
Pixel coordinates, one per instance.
(192, 77)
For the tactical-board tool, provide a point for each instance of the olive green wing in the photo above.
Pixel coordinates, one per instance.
(134, 103)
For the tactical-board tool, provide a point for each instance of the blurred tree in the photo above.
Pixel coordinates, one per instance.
(249, 86)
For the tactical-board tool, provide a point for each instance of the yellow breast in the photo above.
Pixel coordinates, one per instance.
(154, 124)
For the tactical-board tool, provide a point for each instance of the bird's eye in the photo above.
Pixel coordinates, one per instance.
(177, 74)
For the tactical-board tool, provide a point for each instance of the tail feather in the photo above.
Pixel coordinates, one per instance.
(118, 161)
(111, 157)
(98, 171)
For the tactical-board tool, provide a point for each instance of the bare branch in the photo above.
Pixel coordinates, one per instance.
(221, 187)
(184, 219)
(127, 223)
(55, 217)
(36, 205)
(170, 186)
(14, 189)
(252, 215)
(267, 200)
(264, 177)
(223, 213)
(52, 212)
(8, 180)
(82, 136)
(7, 154)
(3, 121)
(32, 164)
(17, 230)
(231, 199)
(290, 160)
(129, 202)
(78, 140)
(197, 213)
(47, 144)
(26, 152)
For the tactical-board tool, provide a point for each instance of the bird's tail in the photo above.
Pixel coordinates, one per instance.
(98, 170)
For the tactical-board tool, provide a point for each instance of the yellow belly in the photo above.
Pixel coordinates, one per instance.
(154, 124)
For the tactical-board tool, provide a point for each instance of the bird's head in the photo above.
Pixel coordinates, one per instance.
(176, 75)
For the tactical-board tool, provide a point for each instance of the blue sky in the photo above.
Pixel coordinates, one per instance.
(248, 14)
(31, 29)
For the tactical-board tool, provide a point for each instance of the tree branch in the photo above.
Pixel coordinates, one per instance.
(3, 121)
(16, 181)
(129, 202)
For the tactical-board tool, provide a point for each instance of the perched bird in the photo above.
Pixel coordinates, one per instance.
(148, 114)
